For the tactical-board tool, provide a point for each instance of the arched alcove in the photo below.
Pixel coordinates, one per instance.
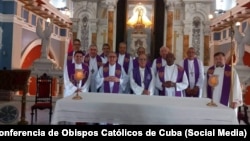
(30, 57)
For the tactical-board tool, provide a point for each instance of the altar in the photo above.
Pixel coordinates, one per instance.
(140, 109)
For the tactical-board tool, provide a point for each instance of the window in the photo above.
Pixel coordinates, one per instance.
(224, 5)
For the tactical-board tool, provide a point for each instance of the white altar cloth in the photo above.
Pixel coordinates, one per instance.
(141, 109)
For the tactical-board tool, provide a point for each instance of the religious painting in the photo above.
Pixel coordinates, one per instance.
(139, 25)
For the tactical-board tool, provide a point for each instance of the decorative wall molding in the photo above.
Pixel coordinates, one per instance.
(111, 4)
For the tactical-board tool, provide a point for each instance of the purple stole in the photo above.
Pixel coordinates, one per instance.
(161, 74)
(225, 86)
(125, 62)
(158, 63)
(102, 55)
(118, 71)
(70, 57)
(147, 76)
(98, 60)
(136, 64)
(196, 71)
(71, 72)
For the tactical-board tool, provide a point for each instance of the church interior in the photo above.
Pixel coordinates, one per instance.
(35, 36)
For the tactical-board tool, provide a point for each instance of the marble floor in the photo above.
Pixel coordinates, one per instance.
(43, 115)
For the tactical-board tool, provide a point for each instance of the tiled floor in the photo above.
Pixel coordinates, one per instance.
(43, 115)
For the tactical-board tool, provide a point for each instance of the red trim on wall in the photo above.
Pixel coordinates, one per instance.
(34, 54)
(246, 60)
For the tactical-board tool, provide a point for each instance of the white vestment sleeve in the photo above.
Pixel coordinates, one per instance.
(154, 67)
(130, 67)
(124, 79)
(237, 90)
(204, 87)
(134, 86)
(152, 83)
(99, 78)
(181, 63)
(158, 83)
(201, 75)
(85, 87)
(184, 84)
(69, 87)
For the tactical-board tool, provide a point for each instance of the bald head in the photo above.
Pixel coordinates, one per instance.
(164, 51)
(142, 60)
(112, 58)
(191, 53)
(170, 58)
(93, 50)
(122, 48)
(141, 50)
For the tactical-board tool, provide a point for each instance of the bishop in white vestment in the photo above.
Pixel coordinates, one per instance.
(171, 79)
(195, 72)
(69, 70)
(126, 61)
(142, 79)
(111, 78)
(93, 61)
(222, 91)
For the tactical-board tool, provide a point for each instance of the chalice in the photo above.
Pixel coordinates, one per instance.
(78, 76)
(212, 82)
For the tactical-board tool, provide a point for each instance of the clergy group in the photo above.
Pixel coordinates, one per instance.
(119, 72)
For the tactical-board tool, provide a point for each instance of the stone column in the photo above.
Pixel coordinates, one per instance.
(186, 38)
(206, 31)
(75, 27)
(111, 22)
(178, 43)
(93, 28)
(178, 30)
(169, 25)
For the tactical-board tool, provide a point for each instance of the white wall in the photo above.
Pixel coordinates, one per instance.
(225, 4)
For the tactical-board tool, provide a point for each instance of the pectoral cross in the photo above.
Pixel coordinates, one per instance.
(104, 36)
(92, 71)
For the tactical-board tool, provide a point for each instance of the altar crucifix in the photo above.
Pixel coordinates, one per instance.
(192, 70)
